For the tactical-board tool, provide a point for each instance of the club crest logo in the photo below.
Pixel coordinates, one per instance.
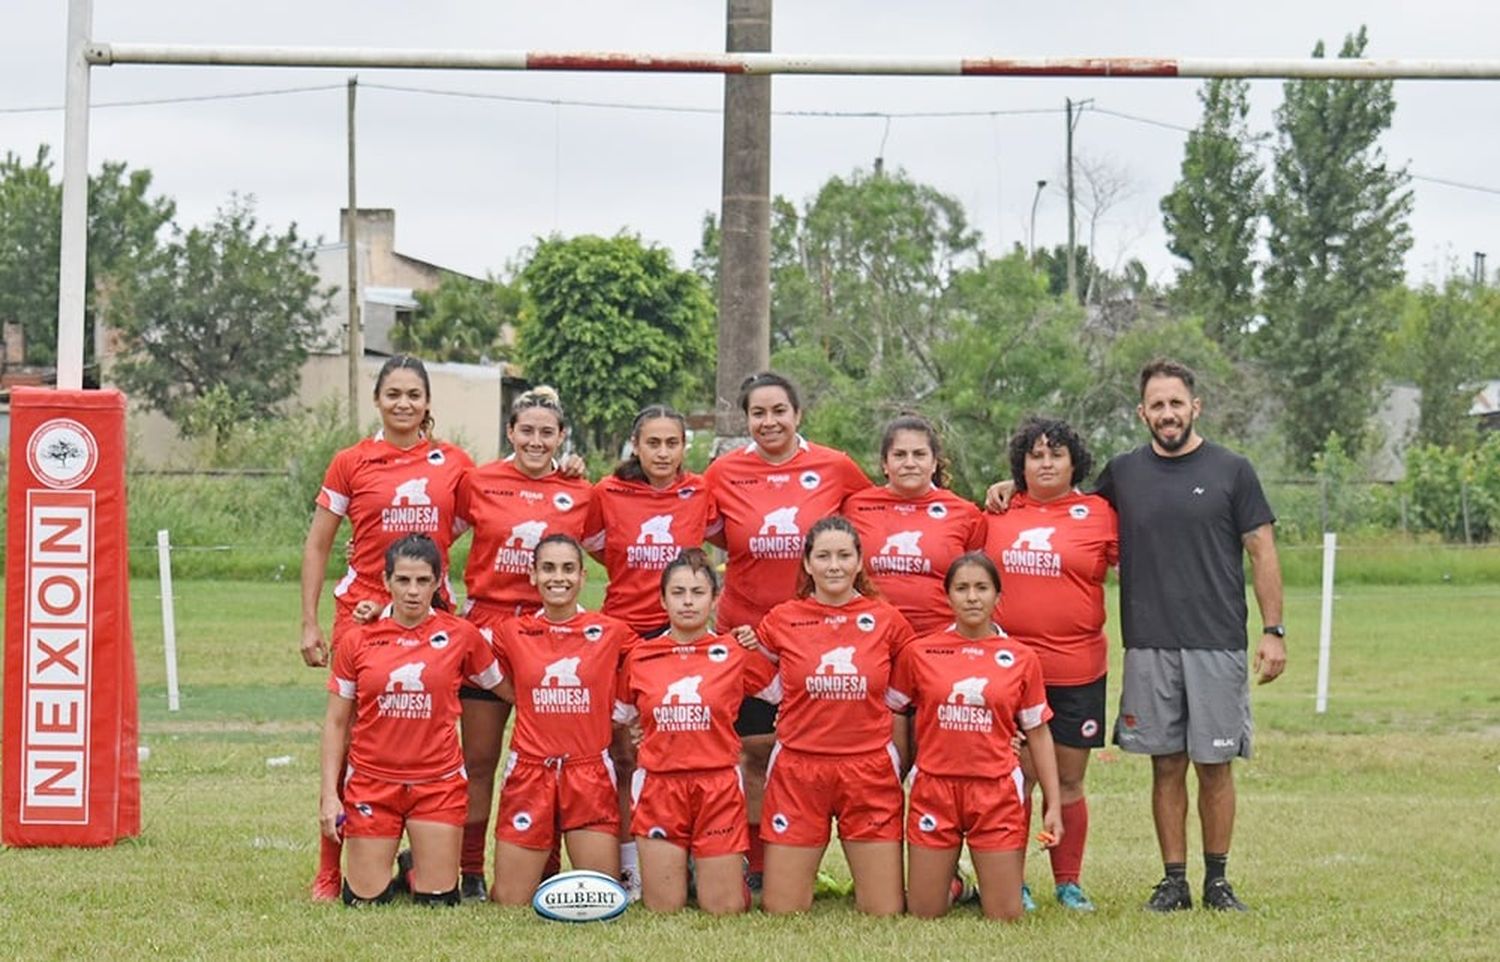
(937, 510)
(718, 653)
(1005, 658)
(656, 831)
(780, 823)
(439, 640)
(593, 633)
(928, 822)
(521, 822)
(436, 456)
(1089, 728)
(62, 453)
(810, 479)
(562, 501)
(1078, 512)
(865, 622)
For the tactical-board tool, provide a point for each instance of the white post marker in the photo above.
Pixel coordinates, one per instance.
(1325, 626)
(168, 617)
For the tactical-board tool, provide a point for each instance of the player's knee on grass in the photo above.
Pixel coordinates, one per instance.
(359, 901)
(433, 899)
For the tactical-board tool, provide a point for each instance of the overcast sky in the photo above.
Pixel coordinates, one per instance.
(475, 180)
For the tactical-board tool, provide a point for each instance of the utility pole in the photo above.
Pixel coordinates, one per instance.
(351, 237)
(1031, 245)
(1072, 260)
(1479, 276)
(744, 223)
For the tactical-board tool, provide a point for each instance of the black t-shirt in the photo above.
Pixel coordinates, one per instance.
(1182, 574)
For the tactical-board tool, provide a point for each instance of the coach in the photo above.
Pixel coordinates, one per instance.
(1187, 509)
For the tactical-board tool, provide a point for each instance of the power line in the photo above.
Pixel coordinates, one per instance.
(241, 95)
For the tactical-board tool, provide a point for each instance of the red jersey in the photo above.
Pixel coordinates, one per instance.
(833, 664)
(510, 513)
(388, 492)
(565, 676)
(766, 509)
(639, 530)
(687, 698)
(970, 697)
(404, 683)
(1053, 558)
(909, 544)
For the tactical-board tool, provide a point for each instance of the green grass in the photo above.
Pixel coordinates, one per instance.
(1365, 832)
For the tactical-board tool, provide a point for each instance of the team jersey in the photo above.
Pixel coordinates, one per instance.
(639, 530)
(910, 542)
(1052, 559)
(766, 509)
(970, 696)
(687, 697)
(832, 667)
(388, 492)
(510, 513)
(404, 683)
(565, 675)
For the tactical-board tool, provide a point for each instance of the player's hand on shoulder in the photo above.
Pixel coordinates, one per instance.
(573, 466)
(365, 612)
(745, 635)
(997, 496)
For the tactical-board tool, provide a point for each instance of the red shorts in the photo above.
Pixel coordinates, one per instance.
(948, 810)
(540, 797)
(375, 808)
(702, 811)
(804, 790)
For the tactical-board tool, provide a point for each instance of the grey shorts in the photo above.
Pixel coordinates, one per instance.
(1195, 700)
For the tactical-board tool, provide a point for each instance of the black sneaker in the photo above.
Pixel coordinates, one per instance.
(471, 888)
(1218, 895)
(1170, 895)
(401, 884)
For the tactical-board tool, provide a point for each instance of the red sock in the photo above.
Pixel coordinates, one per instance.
(757, 849)
(329, 856)
(471, 858)
(1067, 855)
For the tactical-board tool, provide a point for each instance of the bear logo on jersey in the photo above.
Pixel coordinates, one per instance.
(928, 822)
(562, 501)
(684, 691)
(1004, 658)
(1078, 512)
(439, 640)
(718, 653)
(411, 491)
(810, 480)
(865, 622)
(435, 456)
(1034, 539)
(407, 678)
(526, 535)
(780, 823)
(521, 822)
(968, 691)
(562, 673)
(781, 521)
(902, 543)
(937, 510)
(838, 661)
(656, 530)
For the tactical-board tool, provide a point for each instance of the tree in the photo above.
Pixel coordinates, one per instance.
(216, 329)
(1213, 214)
(1447, 340)
(463, 320)
(123, 225)
(614, 325)
(1338, 233)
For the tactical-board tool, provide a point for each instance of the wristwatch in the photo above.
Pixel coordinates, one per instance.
(1278, 630)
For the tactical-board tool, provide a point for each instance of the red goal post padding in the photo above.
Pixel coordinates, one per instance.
(71, 776)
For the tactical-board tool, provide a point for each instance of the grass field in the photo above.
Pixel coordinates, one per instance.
(1369, 831)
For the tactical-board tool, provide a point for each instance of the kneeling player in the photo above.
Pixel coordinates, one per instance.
(685, 687)
(561, 667)
(972, 687)
(392, 707)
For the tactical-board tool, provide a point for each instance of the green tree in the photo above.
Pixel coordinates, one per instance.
(463, 320)
(123, 225)
(1447, 340)
(1213, 213)
(1338, 232)
(217, 327)
(614, 325)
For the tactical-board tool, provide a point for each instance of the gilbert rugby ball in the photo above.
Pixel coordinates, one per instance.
(580, 896)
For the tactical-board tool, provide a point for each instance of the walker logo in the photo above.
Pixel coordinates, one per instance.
(413, 491)
(810, 479)
(937, 510)
(1078, 512)
(62, 453)
(654, 547)
(968, 691)
(928, 822)
(521, 821)
(562, 501)
(718, 653)
(901, 555)
(779, 536)
(1031, 554)
(780, 823)
(58, 629)
(835, 678)
(561, 691)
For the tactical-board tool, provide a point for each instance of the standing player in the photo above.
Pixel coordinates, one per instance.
(640, 517)
(1054, 547)
(512, 504)
(685, 688)
(913, 526)
(972, 688)
(399, 482)
(768, 494)
(392, 703)
(1190, 511)
(836, 752)
(563, 664)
